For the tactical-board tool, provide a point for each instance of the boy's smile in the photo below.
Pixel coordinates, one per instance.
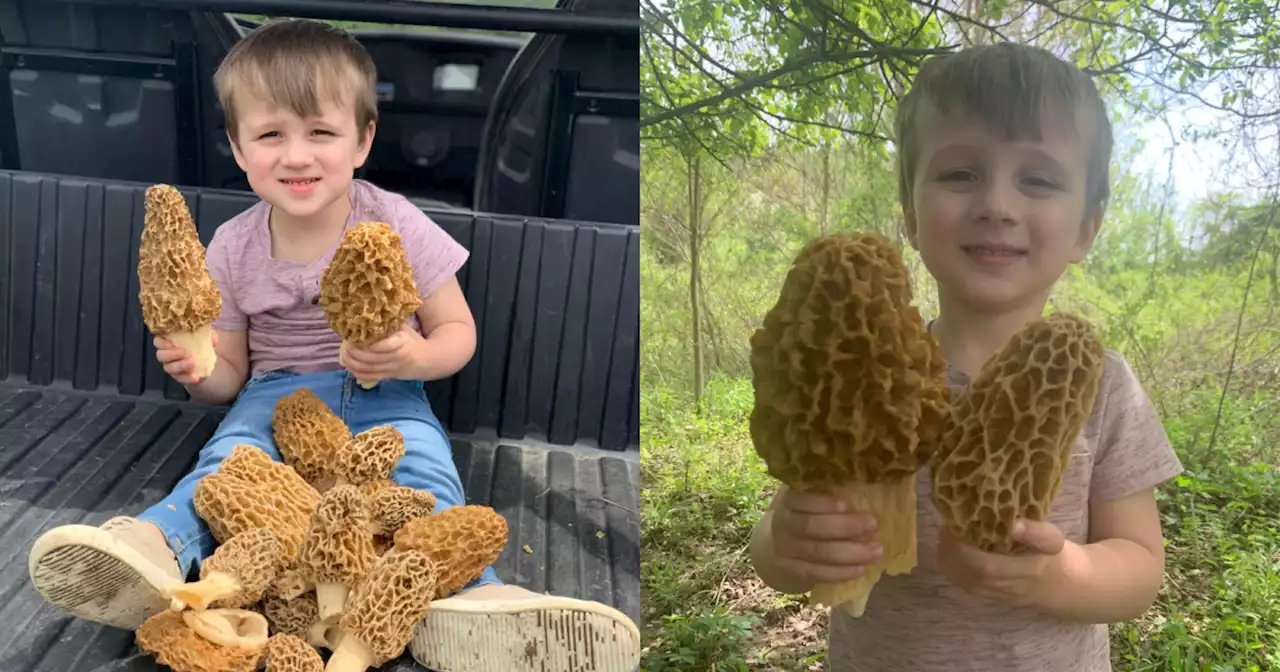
(301, 185)
(998, 220)
(994, 254)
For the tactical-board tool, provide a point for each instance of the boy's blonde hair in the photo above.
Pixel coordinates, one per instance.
(1006, 86)
(294, 63)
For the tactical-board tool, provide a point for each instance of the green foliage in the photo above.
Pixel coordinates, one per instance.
(771, 208)
(704, 490)
(717, 75)
(1220, 608)
(730, 77)
(713, 641)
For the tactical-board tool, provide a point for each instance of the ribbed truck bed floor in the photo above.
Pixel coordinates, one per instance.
(70, 457)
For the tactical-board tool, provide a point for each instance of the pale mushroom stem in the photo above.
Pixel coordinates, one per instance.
(229, 627)
(342, 361)
(331, 598)
(200, 594)
(322, 635)
(199, 344)
(893, 503)
(350, 655)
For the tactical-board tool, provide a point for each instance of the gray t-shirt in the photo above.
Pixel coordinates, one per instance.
(275, 300)
(919, 622)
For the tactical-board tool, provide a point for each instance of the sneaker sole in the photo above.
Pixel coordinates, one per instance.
(547, 633)
(90, 574)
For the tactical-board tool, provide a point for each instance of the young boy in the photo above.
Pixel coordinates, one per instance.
(1004, 153)
(301, 114)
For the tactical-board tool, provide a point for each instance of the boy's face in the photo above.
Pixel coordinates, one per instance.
(300, 166)
(997, 222)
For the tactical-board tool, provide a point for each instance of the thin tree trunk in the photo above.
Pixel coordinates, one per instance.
(1235, 342)
(695, 274)
(826, 189)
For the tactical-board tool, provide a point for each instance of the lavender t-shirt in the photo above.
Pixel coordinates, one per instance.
(276, 300)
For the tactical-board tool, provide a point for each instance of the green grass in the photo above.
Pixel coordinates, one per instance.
(705, 488)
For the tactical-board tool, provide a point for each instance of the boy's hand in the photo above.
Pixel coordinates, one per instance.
(1021, 579)
(177, 362)
(816, 538)
(397, 356)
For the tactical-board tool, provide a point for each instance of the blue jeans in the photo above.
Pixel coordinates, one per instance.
(427, 463)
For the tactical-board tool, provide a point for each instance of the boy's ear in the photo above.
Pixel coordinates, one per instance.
(366, 144)
(1088, 233)
(909, 225)
(235, 150)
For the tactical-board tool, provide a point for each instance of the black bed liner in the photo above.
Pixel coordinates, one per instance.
(82, 457)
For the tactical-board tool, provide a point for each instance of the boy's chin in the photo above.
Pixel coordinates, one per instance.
(988, 296)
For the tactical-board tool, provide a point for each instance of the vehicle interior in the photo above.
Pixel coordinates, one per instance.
(533, 123)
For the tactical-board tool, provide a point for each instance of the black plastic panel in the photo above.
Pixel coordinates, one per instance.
(557, 308)
(71, 457)
(562, 138)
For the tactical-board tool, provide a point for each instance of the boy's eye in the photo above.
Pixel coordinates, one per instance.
(268, 134)
(1040, 181)
(959, 175)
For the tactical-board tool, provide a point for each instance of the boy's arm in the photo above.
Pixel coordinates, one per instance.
(449, 333)
(1116, 576)
(765, 562)
(229, 373)
(448, 328)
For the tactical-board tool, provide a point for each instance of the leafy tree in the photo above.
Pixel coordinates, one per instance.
(786, 61)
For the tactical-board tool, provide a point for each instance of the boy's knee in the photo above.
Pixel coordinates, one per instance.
(423, 436)
(220, 449)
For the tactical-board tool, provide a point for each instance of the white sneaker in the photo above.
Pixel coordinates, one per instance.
(114, 574)
(504, 628)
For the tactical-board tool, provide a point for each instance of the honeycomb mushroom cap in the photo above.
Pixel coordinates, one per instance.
(251, 491)
(297, 617)
(849, 387)
(1014, 429)
(174, 286)
(339, 545)
(255, 557)
(309, 436)
(289, 653)
(384, 609)
(253, 466)
(174, 644)
(367, 291)
(369, 490)
(291, 582)
(371, 455)
(395, 506)
(462, 541)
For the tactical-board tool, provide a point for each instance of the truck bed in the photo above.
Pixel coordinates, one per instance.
(76, 457)
(544, 420)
